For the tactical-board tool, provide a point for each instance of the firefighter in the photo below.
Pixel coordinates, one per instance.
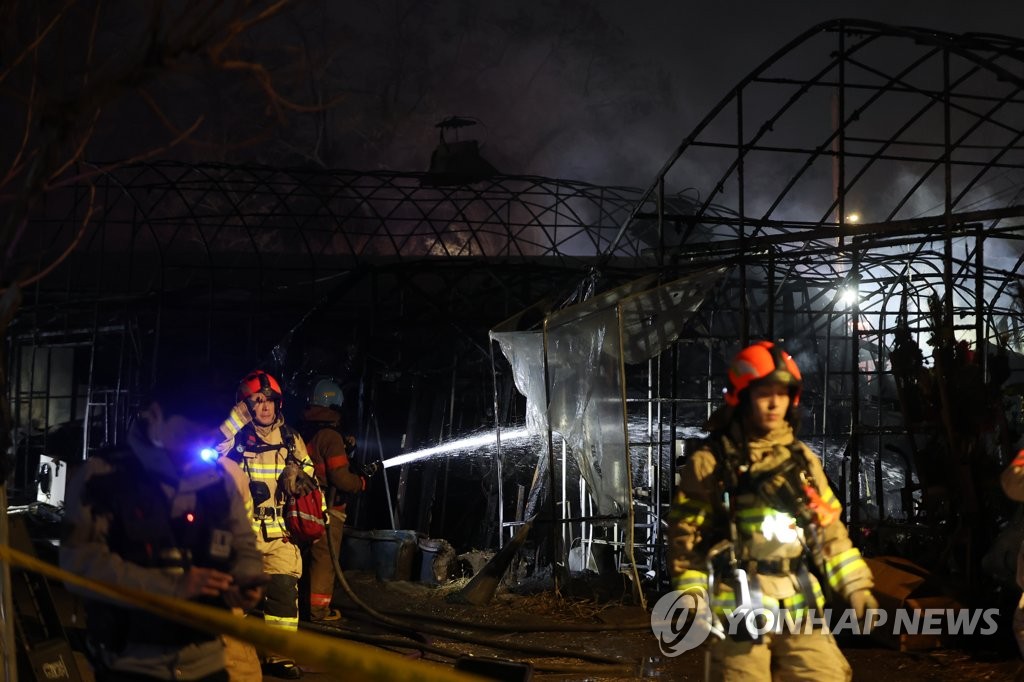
(1012, 481)
(752, 513)
(163, 516)
(330, 448)
(273, 457)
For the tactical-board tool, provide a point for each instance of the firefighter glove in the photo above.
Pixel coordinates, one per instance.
(237, 418)
(861, 601)
(297, 482)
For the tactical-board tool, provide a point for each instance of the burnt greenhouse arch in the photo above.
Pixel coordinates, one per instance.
(917, 130)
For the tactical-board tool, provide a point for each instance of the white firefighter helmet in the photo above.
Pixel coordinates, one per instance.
(326, 393)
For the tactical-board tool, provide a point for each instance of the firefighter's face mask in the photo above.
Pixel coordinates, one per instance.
(263, 409)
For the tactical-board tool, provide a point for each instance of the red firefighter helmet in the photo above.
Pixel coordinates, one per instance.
(758, 362)
(259, 381)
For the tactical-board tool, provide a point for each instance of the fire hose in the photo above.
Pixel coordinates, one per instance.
(417, 632)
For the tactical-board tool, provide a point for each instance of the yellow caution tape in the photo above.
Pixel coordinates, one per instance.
(359, 661)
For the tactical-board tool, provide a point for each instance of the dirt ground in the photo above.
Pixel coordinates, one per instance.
(624, 649)
(566, 638)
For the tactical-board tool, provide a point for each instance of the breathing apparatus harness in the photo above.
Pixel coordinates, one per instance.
(247, 440)
(788, 487)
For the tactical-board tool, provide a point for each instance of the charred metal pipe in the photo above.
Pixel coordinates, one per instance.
(481, 588)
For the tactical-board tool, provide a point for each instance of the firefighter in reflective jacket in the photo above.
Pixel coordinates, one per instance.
(1012, 481)
(274, 459)
(752, 512)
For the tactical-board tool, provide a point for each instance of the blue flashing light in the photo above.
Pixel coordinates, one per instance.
(208, 455)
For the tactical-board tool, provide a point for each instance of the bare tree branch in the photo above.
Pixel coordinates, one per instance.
(67, 252)
(59, 124)
(34, 45)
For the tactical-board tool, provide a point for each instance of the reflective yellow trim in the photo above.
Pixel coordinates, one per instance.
(284, 622)
(233, 424)
(842, 565)
(266, 471)
(830, 498)
(688, 580)
(751, 520)
(723, 601)
(690, 511)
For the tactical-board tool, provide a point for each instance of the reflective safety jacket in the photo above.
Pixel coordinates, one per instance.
(772, 529)
(1012, 481)
(261, 452)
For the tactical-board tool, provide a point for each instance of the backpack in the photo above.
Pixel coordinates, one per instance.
(304, 516)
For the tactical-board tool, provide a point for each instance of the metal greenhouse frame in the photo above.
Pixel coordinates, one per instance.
(917, 132)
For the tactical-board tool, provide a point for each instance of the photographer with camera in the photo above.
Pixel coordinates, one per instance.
(165, 516)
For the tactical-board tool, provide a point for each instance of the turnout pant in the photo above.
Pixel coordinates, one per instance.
(781, 657)
(321, 568)
(283, 562)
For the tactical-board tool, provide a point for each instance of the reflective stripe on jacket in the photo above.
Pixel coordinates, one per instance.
(261, 452)
(698, 520)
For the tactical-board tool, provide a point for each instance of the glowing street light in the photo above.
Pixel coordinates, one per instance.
(853, 218)
(848, 296)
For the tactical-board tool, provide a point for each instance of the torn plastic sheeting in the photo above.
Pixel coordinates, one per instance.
(585, 403)
(599, 302)
(583, 361)
(525, 353)
(652, 320)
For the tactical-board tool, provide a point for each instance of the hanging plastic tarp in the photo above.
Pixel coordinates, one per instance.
(585, 403)
(652, 320)
(587, 345)
(525, 353)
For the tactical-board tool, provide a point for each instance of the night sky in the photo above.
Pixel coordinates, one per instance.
(594, 91)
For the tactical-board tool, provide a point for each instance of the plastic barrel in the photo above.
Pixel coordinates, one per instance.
(393, 553)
